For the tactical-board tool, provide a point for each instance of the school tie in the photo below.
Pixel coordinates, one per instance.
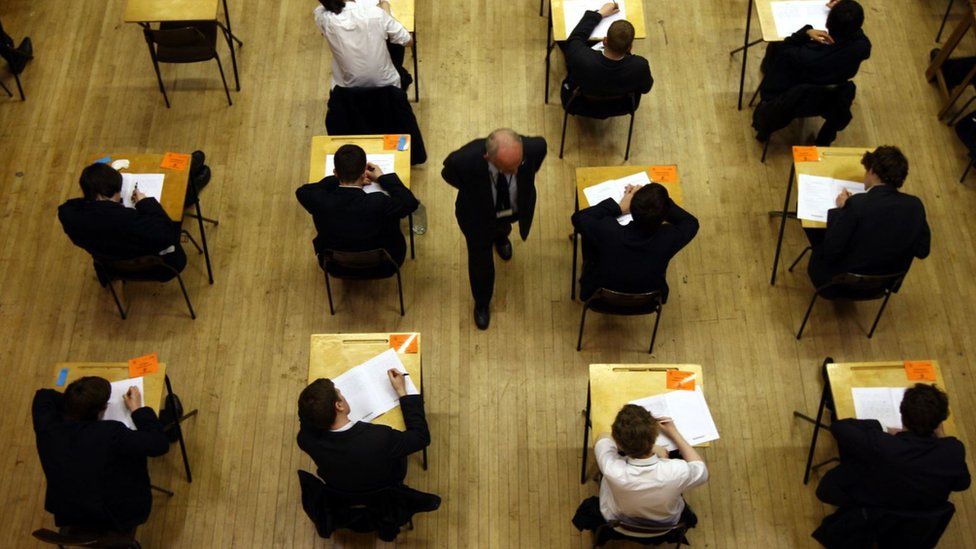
(503, 200)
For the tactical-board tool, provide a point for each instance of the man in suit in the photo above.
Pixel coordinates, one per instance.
(811, 56)
(612, 71)
(876, 232)
(495, 179)
(912, 469)
(102, 226)
(97, 475)
(358, 456)
(359, 207)
(632, 258)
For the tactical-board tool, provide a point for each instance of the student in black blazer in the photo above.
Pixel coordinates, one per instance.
(506, 161)
(103, 227)
(358, 456)
(97, 475)
(911, 469)
(632, 258)
(876, 232)
(350, 219)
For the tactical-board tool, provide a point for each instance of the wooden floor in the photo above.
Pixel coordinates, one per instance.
(503, 405)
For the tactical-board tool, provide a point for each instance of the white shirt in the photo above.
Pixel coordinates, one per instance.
(642, 490)
(512, 190)
(357, 38)
(345, 427)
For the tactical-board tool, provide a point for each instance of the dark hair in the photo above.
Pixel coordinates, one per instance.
(620, 36)
(335, 6)
(316, 404)
(350, 163)
(845, 19)
(86, 397)
(649, 206)
(100, 179)
(634, 430)
(923, 408)
(888, 163)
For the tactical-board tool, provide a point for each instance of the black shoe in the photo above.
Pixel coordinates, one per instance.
(19, 57)
(482, 317)
(504, 248)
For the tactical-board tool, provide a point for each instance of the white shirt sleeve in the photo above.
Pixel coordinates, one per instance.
(320, 16)
(611, 463)
(697, 474)
(395, 31)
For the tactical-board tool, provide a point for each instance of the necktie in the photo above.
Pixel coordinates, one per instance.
(503, 200)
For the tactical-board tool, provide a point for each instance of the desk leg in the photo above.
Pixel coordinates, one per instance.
(549, 46)
(816, 431)
(230, 42)
(782, 223)
(423, 389)
(416, 71)
(586, 435)
(745, 52)
(572, 282)
(179, 430)
(410, 219)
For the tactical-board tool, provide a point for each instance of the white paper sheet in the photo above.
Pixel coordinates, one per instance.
(573, 11)
(116, 409)
(880, 403)
(689, 412)
(614, 189)
(150, 184)
(792, 15)
(367, 387)
(816, 195)
(384, 160)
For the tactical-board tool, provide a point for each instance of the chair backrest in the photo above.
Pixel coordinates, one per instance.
(102, 540)
(619, 303)
(642, 531)
(605, 105)
(349, 263)
(865, 287)
(184, 37)
(134, 266)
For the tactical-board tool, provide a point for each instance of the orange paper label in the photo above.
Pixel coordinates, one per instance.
(390, 142)
(175, 161)
(664, 174)
(404, 343)
(805, 154)
(681, 380)
(143, 365)
(919, 371)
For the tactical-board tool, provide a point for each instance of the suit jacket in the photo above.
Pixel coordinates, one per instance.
(467, 170)
(367, 457)
(628, 259)
(96, 471)
(902, 471)
(799, 60)
(876, 232)
(109, 229)
(595, 73)
(353, 220)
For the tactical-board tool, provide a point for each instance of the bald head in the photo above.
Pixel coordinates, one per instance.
(504, 150)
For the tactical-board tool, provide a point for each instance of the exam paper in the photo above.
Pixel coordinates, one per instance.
(614, 189)
(385, 161)
(792, 15)
(880, 403)
(573, 11)
(116, 409)
(689, 412)
(367, 387)
(816, 195)
(150, 184)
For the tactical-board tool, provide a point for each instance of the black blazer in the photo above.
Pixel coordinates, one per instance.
(367, 457)
(624, 258)
(467, 170)
(109, 229)
(594, 73)
(799, 60)
(902, 471)
(877, 232)
(96, 471)
(352, 220)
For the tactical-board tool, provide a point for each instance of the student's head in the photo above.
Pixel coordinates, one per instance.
(503, 149)
(649, 206)
(100, 180)
(85, 398)
(887, 164)
(320, 403)
(845, 19)
(335, 6)
(620, 37)
(923, 409)
(634, 430)
(350, 163)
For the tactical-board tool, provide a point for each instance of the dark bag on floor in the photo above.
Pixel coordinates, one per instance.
(966, 130)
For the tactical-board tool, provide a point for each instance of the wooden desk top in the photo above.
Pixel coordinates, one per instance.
(767, 23)
(152, 385)
(587, 177)
(634, 12)
(154, 11)
(332, 354)
(175, 182)
(613, 385)
(324, 145)
(837, 162)
(403, 11)
(875, 374)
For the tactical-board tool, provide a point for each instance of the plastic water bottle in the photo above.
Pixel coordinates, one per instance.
(420, 220)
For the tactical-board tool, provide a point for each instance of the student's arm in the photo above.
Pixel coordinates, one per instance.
(153, 226)
(608, 458)
(687, 451)
(799, 37)
(416, 437)
(647, 80)
(395, 31)
(401, 201)
(841, 223)
(578, 40)
(592, 222)
(46, 409)
(924, 240)
(962, 481)
(149, 438)
(308, 194)
(452, 172)
(853, 437)
(685, 223)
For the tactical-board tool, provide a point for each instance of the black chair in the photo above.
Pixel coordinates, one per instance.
(138, 269)
(72, 538)
(832, 103)
(193, 200)
(643, 535)
(854, 287)
(884, 528)
(938, 37)
(368, 265)
(618, 303)
(19, 87)
(184, 43)
(600, 107)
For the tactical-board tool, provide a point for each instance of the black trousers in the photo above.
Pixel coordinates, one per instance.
(397, 54)
(481, 262)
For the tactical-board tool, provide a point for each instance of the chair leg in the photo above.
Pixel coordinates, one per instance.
(962, 112)
(765, 148)
(328, 290)
(965, 173)
(192, 240)
(562, 141)
(203, 238)
(400, 291)
(6, 89)
(881, 310)
(657, 319)
(579, 340)
(756, 93)
(118, 303)
(807, 316)
(799, 257)
(213, 222)
(630, 134)
(186, 296)
(938, 37)
(224, 80)
(19, 87)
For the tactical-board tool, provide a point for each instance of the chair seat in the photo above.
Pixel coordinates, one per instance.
(202, 51)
